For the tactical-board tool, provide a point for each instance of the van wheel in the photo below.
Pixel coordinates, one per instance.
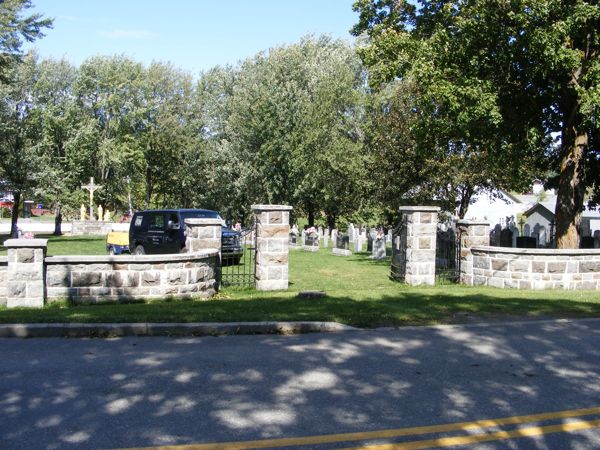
(139, 250)
(111, 251)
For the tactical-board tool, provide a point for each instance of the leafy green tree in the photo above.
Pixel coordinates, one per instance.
(60, 119)
(16, 28)
(20, 133)
(502, 77)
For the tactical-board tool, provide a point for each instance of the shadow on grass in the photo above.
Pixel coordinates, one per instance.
(407, 307)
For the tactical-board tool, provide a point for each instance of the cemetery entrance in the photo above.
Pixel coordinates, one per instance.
(447, 253)
(236, 269)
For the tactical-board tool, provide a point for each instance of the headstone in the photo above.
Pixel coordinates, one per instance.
(351, 232)
(311, 241)
(371, 235)
(334, 234)
(378, 251)
(390, 235)
(342, 245)
(326, 240)
(358, 243)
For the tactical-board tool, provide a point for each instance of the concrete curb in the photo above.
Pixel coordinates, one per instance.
(101, 330)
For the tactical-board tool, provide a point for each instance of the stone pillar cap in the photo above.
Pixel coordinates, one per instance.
(472, 222)
(26, 243)
(419, 208)
(272, 207)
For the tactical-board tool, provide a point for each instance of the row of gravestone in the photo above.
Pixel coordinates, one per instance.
(311, 239)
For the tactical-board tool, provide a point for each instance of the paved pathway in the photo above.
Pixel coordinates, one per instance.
(343, 390)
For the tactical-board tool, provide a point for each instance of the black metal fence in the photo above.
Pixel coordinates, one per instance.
(447, 254)
(398, 272)
(239, 269)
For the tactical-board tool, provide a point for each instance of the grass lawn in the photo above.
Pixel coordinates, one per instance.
(358, 290)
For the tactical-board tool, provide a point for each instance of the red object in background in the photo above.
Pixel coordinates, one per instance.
(6, 204)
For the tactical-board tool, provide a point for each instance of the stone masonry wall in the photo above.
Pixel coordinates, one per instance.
(536, 268)
(421, 227)
(89, 279)
(3, 270)
(272, 240)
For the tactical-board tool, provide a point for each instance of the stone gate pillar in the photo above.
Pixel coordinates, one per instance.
(203, 234)
(25, 278)
(272, 246)
(472, 233)
(421, 231)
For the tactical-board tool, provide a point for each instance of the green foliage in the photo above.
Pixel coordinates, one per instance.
(495, 81)
(16, 28)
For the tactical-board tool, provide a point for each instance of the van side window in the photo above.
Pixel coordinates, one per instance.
(157, 223)
(138, 221)
(173, 218)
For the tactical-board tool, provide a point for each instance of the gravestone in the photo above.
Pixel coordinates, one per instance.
(334, 234)
(506, 238)
(311, 242)
(371, 235)
(378, 251)
(358, 243)
(351, 232)
(342, 245)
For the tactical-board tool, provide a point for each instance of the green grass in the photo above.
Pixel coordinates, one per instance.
(70, 245)
(359, 292)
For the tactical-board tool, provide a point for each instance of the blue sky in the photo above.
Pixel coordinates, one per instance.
(194, 35)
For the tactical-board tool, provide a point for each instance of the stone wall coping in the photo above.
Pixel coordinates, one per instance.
(131, 259)
(538, 251)
(419, 208)
(472, 222)
(211, 221)
(26, 243)
(3, 260)
(271, 208)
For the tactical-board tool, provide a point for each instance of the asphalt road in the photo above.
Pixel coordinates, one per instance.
(378, 385)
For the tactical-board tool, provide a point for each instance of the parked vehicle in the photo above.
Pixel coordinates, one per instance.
(117, 242)
(162, 231)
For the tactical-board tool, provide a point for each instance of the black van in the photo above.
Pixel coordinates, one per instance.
(162, 231)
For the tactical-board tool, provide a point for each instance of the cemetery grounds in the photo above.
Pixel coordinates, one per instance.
(358, 292)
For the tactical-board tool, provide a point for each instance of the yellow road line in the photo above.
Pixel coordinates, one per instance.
(380, 434)
(478, 438)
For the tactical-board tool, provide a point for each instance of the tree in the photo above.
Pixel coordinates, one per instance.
(20, 133)
(14, 29)
(519, 71)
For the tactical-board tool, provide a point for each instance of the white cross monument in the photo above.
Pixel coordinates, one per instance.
(91, 187)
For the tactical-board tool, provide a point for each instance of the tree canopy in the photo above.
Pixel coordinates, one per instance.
(498, 81)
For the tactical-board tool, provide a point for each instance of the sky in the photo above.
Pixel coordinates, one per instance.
(194, 35)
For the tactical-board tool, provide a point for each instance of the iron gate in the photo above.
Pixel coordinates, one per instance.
(399, 251)
(447, 254)
(239, 269)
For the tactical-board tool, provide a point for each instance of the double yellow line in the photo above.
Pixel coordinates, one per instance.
(529, 431)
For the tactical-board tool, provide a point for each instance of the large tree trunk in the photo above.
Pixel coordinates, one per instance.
(57, 221)
(331, 221)
(311, 218)
(465, 200)
(571, 187)
(15, 215)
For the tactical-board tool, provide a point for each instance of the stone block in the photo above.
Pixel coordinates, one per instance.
(35, 289)
(150, 278)
(275, 218)
(277, 245)
(538, 266)
(426, 218)
(519, 265)
(589, 266)
(479, 281)
(557, 267)
(425, 243)
(17, 289)
(85, 279)
(25, 255)
(26, 272)
(138, 267)
(275, 273)
(481, 262)
(177, 277)
(496, 282)
(270, 259)
(119, 279)
(499, 264)
(280, 231)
